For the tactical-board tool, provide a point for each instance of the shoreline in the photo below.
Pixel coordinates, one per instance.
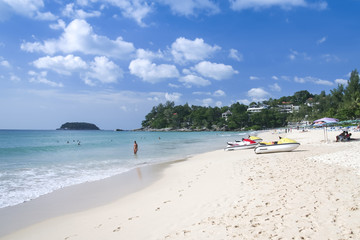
(227, 194)
(82, 197)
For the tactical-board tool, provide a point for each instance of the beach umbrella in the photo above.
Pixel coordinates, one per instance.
(326, 121)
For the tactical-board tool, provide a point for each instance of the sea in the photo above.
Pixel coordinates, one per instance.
(37, 162)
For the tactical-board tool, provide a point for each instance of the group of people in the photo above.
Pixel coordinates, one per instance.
(344, 136)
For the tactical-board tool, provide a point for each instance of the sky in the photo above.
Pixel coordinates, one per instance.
(109, 62)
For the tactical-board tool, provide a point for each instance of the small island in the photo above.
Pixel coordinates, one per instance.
(78, 126)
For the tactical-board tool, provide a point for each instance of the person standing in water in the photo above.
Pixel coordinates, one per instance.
(135, 147)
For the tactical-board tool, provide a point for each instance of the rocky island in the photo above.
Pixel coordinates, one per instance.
(78, 126)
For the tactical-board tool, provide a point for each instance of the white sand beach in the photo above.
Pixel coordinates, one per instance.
(312, 192)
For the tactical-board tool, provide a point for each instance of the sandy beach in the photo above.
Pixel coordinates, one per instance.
(312, 192)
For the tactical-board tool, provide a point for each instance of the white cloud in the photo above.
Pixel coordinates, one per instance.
(215, 70)
(193, 80)
(190, 7)
(29, 8)
(275, 78)
(161, 96)
(4, 63)
(218, 103)
(146, 54)
(219, 93)
(314, 80)
(207, 102)
(322, 40)
(175, 97)
(202, 93)
(253, 78)
(295, 54)
(341, 81)
(59, 25)
(184, 50)
(78, 36)
(150, 72)
(174, 85)
(103, 70)
(330, 58)
(323, 82)
(133, 9)
(71, 12)
(284, 4)
(60, 64)
(234, 54)
(14, 78)
(244, 101)
(42, 78)
(258, 94)
(275, 87)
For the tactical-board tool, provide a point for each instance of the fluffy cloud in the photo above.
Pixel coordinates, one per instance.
(322, 40)
(234, 54)
(29, 8)
(215, 70)
(295, 54)
(63, 65)
(71, 12)
(190, 7)
(184, 50)
(42, 78)
(146, 54)
(330, 58)
(193, 80)
(78, 36)
(341, 81)
(59, 25)
(103, 70)
(258, 94)
(207, 102)
(314, 80)
(244, 101)
(175, 97)
(150, 72)
(275, 87)
(4, 63)
(219, 93)
(133, 9)
(285, 4)
(162, 97)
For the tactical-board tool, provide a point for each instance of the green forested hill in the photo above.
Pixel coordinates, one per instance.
(342, 102)
(78, 126)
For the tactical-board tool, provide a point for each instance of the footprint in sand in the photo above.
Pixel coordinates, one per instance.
(117, 229)
(70, 237)
(98, 226)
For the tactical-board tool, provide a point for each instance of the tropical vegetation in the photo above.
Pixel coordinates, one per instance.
(342, 102)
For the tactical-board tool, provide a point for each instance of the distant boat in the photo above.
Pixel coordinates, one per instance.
(283, 145)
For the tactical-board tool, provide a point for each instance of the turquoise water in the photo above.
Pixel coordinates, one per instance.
(34, 163)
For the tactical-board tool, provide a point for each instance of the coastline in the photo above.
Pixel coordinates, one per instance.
(229, 194)
(77, 198)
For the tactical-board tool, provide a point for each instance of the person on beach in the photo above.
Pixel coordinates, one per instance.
(135, 147)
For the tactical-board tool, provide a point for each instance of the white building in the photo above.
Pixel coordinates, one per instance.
(226, 114)
(257, 109)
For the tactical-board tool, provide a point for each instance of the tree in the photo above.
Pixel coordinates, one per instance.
(352, 90)
(300, 97)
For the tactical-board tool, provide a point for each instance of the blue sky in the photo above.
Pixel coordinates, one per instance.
(109, 62)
